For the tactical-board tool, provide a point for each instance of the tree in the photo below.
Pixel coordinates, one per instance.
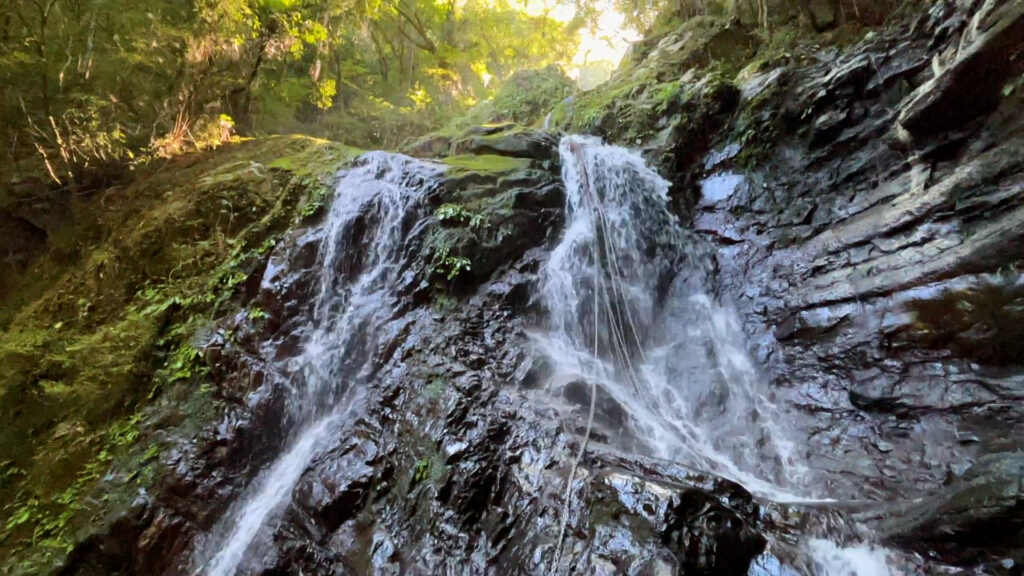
(84, 84)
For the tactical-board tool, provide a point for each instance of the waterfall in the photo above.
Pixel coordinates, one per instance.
(633, 317)
(627, 291)
(373, 221)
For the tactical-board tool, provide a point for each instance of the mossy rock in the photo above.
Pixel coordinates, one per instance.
(510, 141)
(489, 212)
(663, 78)
(429, 146)
(523, 99)
(100, 325)
(485, 163)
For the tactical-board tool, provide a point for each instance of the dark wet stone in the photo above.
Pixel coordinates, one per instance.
(971, 85)
(607, 411)
(977, 516)
(111, 551)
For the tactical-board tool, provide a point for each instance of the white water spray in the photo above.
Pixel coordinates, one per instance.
(626, 275)
(375, 214)
(632, 317)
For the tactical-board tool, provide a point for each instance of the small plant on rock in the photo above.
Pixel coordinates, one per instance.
(448, 265)
(455, 213)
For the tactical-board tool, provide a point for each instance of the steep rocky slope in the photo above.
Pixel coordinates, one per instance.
(864, 201)
(101, 371)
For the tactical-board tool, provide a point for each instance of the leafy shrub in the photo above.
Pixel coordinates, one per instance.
(528, 95)
(460, 215)
(85, 138)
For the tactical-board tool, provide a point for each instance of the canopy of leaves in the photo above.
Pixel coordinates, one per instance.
(86, 85)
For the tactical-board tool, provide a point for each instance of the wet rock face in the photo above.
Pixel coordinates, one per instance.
(874, 248)
(449, 466)
(979, 516)
(970, 84)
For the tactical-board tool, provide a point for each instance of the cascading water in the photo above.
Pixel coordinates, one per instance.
(374, 219)
(627, 293)
(633, 320)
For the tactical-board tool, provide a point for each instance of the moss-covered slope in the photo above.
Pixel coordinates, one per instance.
(98, 330)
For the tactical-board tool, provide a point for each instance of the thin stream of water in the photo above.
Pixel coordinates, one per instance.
(373, 219)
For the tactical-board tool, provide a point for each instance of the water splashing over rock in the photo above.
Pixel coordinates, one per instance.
(631, 314)
(635, 322)
(374, 222)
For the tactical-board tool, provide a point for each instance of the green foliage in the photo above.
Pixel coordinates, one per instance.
(184, 362)
(670, 82)
(126, 432)
(412, 64)
(316, 200)
(428, 469)
(449, 265)
(456, 213)
(524, 98)
(445, 245)
(52, 520)
(665, 95)
(85, 87)
(421, 472)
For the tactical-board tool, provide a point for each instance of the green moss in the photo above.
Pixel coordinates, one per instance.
(757, 128)
(609, 98)
(663, 80)
(99, 329)
(429, 469)
(486, 163)
(560, 114)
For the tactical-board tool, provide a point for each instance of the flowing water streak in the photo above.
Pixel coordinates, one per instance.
(632, 314)
(373, 219)
(668, 354)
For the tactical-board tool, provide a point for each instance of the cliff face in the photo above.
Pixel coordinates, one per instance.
(867, 202)
(863, 201)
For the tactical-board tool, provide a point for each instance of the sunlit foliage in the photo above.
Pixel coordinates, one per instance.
(87, 84)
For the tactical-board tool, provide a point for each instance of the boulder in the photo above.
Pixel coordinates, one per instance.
(518, 143)
(429, 146)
